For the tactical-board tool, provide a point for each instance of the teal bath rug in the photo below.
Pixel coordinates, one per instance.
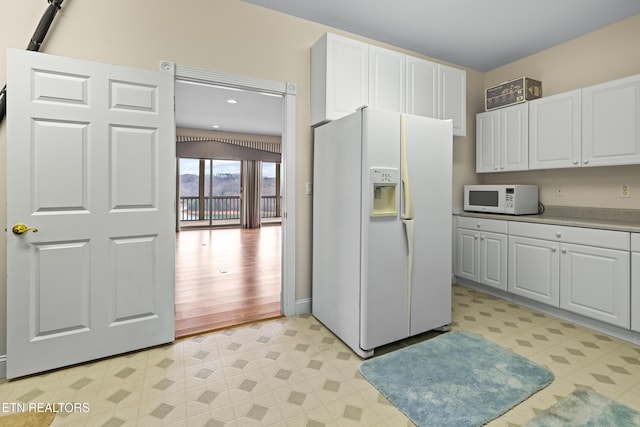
(456, 379)
(586, 408)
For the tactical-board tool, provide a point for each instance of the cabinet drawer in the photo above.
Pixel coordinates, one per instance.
(482, 224)
(583, 236)
(536, 231)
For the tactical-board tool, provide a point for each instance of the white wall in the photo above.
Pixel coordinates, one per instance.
(607, 54)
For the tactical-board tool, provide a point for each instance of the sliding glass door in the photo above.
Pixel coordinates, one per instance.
(209, 192)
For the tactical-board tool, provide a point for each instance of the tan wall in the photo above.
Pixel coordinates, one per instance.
(221, 35)
(603, 55)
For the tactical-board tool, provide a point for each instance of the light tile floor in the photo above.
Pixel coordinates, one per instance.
(294, 372)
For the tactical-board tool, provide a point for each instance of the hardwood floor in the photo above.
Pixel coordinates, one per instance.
(226, 277)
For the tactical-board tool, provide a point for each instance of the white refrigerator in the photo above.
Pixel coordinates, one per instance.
(382, 187)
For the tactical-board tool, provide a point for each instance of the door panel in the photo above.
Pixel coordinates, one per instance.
(384, 266)
(493, 260)
(90, 162)
(133, 294)
(60, 268)
(429, 145)
(534, 269)
(468, 254)
(134, 168)
(595, 283)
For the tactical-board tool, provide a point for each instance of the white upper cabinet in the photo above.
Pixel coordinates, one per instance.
(453, 97)
(386, 79)
(611, 123)
(514, 138)
(347, 74)
(422, 87)
(555, 131)
(437, 91)
(488, 141)
(339, 77)
(502, 139)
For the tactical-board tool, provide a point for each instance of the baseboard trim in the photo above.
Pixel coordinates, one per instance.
(596, 325)
(3, 366)
(303, 306)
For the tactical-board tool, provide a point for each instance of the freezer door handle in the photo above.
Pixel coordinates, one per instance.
(407, 206)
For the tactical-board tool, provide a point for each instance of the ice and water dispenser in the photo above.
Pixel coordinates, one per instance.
(384, 183)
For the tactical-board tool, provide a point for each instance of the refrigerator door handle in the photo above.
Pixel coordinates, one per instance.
(407, 205)
(408, 229)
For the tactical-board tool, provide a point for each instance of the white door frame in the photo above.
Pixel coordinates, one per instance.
(288, 93)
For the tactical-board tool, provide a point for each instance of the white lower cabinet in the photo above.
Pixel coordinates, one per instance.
(534, 269)
(591, 272)
(468, 254)
(594, 282)
(482, 252)
(582, 270)
(635, 282)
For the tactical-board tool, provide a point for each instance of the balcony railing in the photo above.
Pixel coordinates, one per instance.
(222, 208)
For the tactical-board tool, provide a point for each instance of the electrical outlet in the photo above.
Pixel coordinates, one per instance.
(559, 191)
(625, 191)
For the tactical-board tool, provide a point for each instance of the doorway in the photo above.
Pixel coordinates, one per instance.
(283, 245)
(225, 274)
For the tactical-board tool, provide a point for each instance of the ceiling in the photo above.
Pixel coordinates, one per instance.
(478, 34)
(481, 35)
(202, 106)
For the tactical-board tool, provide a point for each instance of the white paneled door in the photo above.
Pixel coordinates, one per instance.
(90, 170)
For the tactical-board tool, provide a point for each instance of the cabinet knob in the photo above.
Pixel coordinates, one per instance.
(575, 162)
(481, 237)
(563, 250)
(586, 162)
(558, 234)
(478, 225)
(501, 166)
(553, 249)
(475, 237)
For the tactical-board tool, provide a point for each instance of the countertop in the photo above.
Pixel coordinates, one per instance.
(602, 218)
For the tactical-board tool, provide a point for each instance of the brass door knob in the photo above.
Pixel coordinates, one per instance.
(21, 229)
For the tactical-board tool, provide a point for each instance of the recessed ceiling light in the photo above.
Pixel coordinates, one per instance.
(232, 101)
(215, 127)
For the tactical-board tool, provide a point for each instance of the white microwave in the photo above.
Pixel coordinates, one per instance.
(503, 199)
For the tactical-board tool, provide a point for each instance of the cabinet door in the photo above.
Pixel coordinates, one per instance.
(555, 131)
(514, 137)
(493, 260)
(611, 123)
(339, 77)
(422, 87)
(453, 97)
(594, 282)
(488, 141)
(467, 254)
(534, 269)
(635, 291)
(386, 79)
